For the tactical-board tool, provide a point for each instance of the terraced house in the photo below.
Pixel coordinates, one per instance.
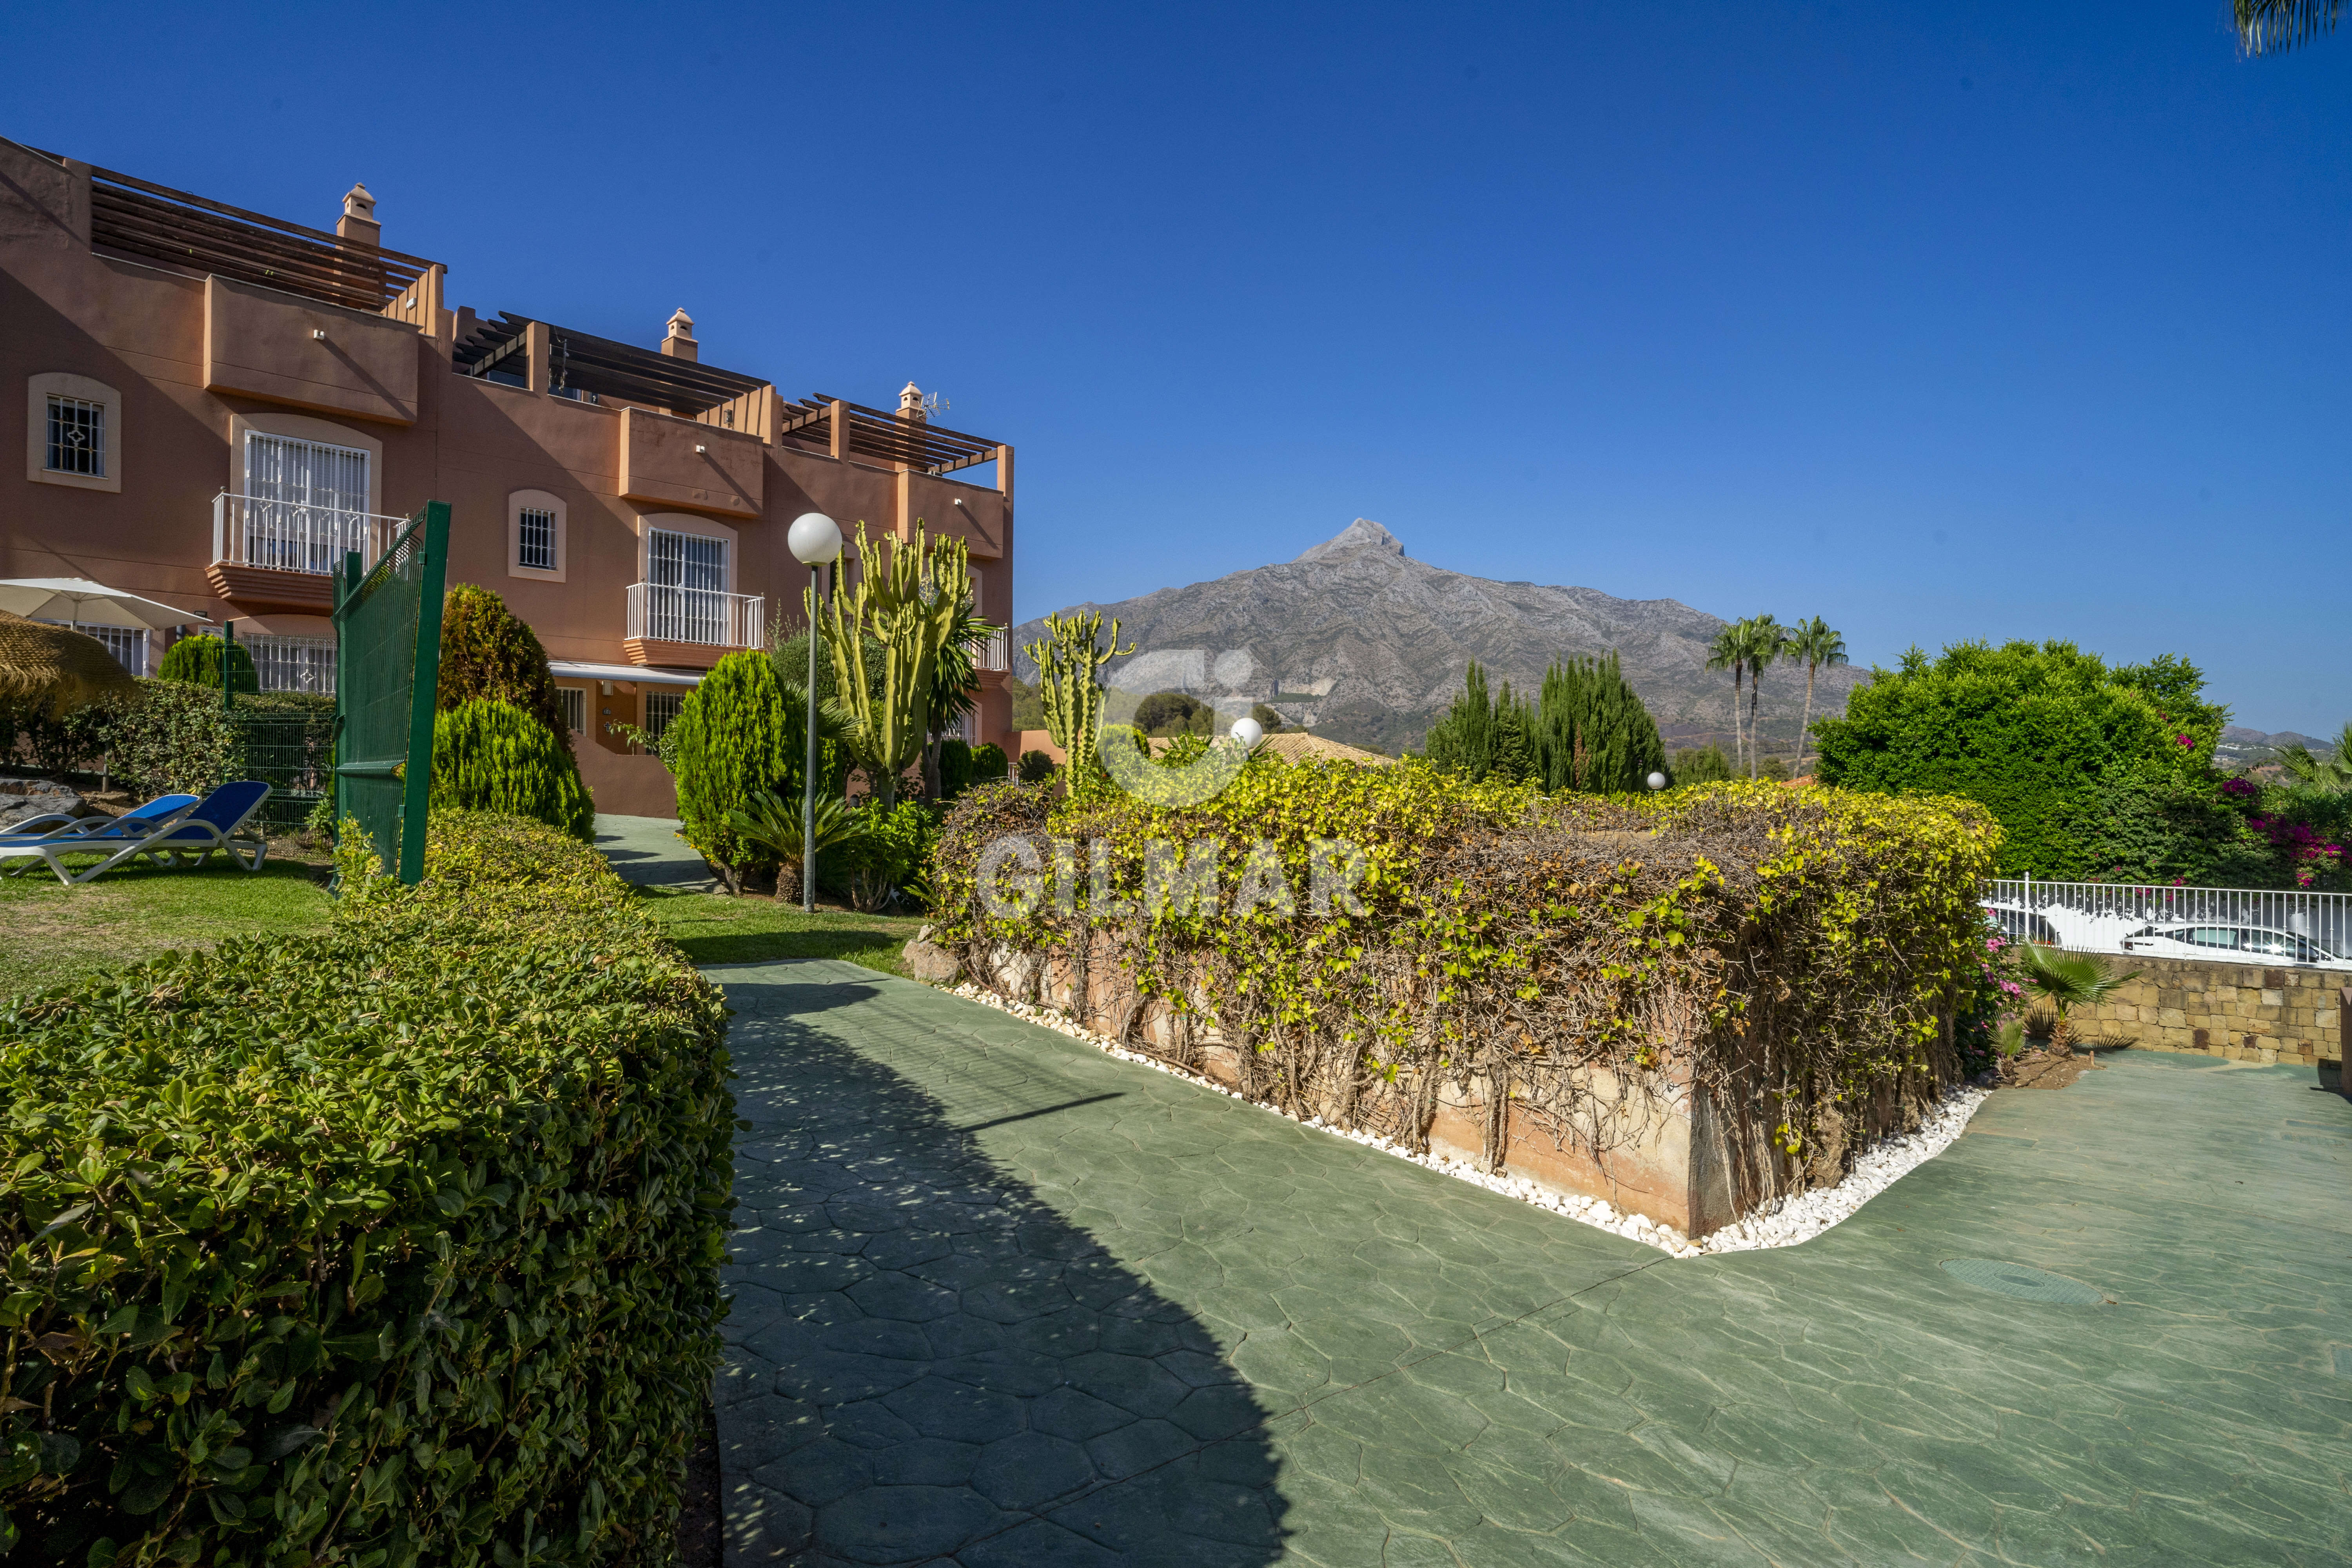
(217, 405)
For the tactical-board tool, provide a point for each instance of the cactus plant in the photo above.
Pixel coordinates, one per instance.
(912, 597)
(1069, 664)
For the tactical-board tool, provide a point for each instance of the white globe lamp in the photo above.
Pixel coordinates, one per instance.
(815, 539)
(1247, 734)
(1657, 781)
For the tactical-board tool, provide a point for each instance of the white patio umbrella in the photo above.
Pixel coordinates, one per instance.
(91, 603)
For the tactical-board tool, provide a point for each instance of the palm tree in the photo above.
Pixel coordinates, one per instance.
(1729, 651)
(1766, 639)
(2275, 26)
(2332, 774)
(1813, 645)
(2066, 980)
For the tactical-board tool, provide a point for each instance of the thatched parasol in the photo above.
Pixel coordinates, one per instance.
(56, 666)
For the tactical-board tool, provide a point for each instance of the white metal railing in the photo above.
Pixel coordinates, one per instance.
(662, 612)
(293, 664)
(996, 653)
(295, 536)
(2242, 925)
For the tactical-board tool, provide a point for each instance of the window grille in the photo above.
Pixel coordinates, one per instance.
(697, 565)
(575, 709)
(293, 664)
(76, 438)
(308, 502)
(662, 710)
(127, 644)
(535, 539)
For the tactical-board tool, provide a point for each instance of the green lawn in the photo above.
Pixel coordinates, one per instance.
(714, 928)
(58, 933)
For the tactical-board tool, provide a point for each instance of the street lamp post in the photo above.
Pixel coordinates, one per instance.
(814, 541)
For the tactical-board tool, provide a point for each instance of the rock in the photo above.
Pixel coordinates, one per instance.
(21, 799)
(932, 963)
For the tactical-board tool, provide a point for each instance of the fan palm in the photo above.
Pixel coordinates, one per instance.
(1728, 651)
(2275, 26)
(955, 687)
(1813, 645)
(1765, 640)
(2065, 980)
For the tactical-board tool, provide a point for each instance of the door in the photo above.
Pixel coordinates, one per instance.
(685, 599)
(306, 502)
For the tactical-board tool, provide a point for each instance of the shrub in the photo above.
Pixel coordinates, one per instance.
(1591, 733)
(396, 1245)
(1037, 767)
(987, 762)
(2032, 733)
(487, 652)
(955, 768)
(170, 737)
(1173, 713)
(1793, 959)
(1702, 764)
(889, 853)
(492, 756)
(196, 661)
(739, 741)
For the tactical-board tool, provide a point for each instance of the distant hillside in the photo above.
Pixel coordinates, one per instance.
(1367, 646)
(2247, 747)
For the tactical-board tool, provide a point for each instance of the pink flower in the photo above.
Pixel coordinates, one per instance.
(2186, 741)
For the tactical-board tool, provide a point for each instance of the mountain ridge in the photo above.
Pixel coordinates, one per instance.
(1367, 645)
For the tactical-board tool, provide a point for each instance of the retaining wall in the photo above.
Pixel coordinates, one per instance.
(2240, 1010)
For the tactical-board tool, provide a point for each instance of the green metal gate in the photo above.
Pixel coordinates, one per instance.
(291, 749)
(387, 667)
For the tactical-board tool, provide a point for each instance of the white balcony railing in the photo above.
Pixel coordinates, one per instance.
(996, 653)
(294, 536)
(2242, 925)
(662, 612)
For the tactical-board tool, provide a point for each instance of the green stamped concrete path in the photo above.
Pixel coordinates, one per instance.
(999, 1299)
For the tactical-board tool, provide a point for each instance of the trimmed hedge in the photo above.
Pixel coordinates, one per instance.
(397, 1245)
(734, 739)
(493, 756)
(489, 652)
(196, 661)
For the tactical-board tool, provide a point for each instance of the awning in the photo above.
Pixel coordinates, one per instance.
(91, 603)
(565, 669)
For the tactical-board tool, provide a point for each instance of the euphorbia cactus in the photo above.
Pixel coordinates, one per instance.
(910, 597)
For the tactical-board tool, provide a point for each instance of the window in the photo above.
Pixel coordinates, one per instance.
(127, 644)
(575, 709)
(662, 710)
(73, 432)
(306, 503)
(76, 436)
(293, 664)
(687, 597)
(535, 539)
(535, 528)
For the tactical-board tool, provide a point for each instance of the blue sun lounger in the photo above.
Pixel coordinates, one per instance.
(188, 840)
(21, 840)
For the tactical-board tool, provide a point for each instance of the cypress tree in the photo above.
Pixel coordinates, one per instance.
(487, 652)
(196, 661)
(1463, 740)
(739, 739)
(489, 755)
(1511, 756)
(1592, 733)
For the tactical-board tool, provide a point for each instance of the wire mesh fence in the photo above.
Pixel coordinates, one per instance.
(388, 641)
(293, 752)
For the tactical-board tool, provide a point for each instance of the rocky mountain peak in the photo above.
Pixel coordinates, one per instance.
(1361, 534)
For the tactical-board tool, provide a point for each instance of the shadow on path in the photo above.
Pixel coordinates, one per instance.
(928, 1363)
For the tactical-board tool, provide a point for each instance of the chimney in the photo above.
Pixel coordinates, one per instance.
(358, 221)
(680, 343)
(911, 403)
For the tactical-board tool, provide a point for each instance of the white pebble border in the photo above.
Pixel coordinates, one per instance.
(1790, 1221)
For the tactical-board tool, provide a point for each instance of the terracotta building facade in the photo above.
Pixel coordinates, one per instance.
(217, 405)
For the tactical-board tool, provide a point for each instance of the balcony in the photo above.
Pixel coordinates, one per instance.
(995, 656)
(282, 556)
(669, 625)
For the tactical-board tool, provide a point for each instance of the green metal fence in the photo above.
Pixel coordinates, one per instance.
(387, 665)
(291, 750)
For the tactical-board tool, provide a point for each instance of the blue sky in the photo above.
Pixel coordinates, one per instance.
(1939, 322)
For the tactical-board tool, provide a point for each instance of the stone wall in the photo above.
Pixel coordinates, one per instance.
(2240, 1010)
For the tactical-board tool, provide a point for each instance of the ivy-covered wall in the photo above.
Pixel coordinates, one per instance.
(1757, 977)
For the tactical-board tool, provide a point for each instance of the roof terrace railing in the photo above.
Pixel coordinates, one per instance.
(135, 217)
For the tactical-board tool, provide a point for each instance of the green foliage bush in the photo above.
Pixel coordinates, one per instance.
(738, 738)
(1700, 764)
(1796, 956)
(987, 762)
(2035, 733)
(196, 661)
(489, 653)
(890, 854)
(492, 756)
(1037, 767)
(170, 737)
(955, 767)
(1173, 713)
(1586, 732)
(393, 1245)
